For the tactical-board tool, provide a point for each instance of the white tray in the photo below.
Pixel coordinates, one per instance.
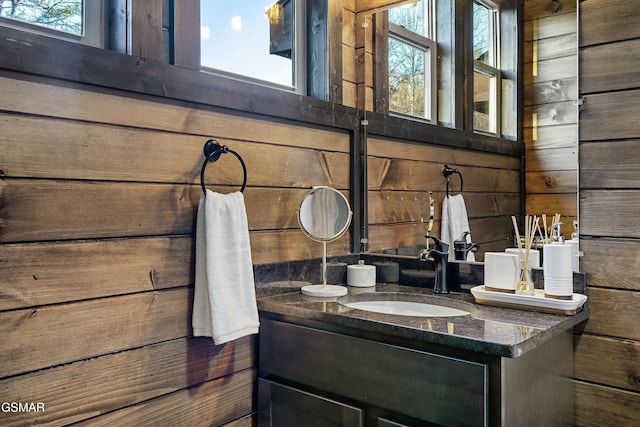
(537, 302)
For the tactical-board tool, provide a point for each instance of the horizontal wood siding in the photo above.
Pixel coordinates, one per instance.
(607, 386)
(98, 198)
(401, 174)
(136, 378)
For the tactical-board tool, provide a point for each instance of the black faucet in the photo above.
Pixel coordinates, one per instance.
(440, 254)
(461, 247)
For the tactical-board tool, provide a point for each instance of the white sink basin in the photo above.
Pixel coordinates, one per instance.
(406, 308)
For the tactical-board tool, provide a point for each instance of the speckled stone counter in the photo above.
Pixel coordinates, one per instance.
(490, 330)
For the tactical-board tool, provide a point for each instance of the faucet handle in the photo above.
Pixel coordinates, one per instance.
(461, 243)
(462, 239)
(461, 247)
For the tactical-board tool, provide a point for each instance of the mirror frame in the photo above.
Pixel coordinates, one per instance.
(76, 63)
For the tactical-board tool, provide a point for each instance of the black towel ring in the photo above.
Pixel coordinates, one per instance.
(212, 152)
(447, 172)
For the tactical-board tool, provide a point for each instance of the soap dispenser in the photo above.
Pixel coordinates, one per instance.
(558, 266)
(575, 245)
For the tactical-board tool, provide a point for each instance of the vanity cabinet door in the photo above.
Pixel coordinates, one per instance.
(283, 406)
(425, 386)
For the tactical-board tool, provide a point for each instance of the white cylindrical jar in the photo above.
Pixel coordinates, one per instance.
(361, 275)
(558, 271)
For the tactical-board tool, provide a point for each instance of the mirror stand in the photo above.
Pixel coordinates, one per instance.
(324, 290)
(324, 216)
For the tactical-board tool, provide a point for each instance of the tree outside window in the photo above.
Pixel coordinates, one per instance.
(411, 61)
(58, 15)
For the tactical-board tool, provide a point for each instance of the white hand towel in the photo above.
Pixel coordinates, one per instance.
(454, 223)
(224, 300)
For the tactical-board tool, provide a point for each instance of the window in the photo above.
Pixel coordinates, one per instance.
(454, 64)
(486, 69)
(412, 59)
(76, 20)
(249, 41)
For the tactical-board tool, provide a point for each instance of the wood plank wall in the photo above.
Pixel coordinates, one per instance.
(98, 196)
(607, 361)
(358, 58)
(550, 115)
(401, 174)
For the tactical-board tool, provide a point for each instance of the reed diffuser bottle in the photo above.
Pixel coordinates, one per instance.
(525, 283)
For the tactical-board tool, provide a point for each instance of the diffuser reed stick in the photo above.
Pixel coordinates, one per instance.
(545, 228)
(531, 224)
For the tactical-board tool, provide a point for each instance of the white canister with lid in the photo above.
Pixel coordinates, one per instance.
(361, 275)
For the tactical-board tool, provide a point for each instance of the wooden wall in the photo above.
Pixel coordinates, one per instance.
(98, 191)
(550, 114)
(607, 362)
(401, 174)
(357, 57)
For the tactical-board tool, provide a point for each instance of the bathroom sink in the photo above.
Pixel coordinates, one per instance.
(398, 305)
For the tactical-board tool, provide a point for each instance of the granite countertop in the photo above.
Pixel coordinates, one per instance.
(490, 330)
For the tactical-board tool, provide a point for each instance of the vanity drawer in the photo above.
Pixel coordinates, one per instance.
(283, 406)
(426, 386)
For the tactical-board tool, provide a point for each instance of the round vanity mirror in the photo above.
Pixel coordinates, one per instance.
(324, 216)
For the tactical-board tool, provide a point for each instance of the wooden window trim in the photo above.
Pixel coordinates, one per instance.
(146, 22)
(185, 47)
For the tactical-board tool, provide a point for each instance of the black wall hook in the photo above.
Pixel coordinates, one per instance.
(212, 152)
(447, 171)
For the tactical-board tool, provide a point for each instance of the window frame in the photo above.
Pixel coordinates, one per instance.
(427, 44)
(495, 96)
(181, 81)
(299, 57)
(491, 70)
(455, 93)
(93, 26)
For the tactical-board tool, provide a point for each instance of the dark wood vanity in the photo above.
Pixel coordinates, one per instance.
(322, 363)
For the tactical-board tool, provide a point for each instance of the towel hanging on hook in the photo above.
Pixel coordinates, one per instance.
(447, 172)
(454, 220)
(212, 152)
